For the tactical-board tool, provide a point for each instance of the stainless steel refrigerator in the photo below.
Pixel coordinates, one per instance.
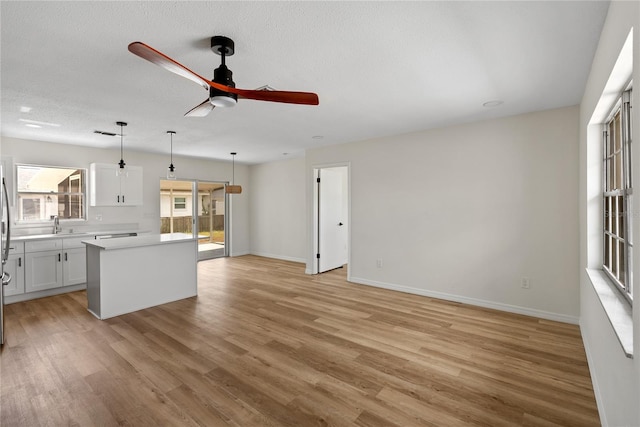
(5, 237)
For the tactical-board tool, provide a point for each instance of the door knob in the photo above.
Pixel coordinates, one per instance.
(340, 224)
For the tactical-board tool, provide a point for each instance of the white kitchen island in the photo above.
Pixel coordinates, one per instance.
(133, 273)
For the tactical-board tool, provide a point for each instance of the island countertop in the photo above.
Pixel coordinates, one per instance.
(138, 241)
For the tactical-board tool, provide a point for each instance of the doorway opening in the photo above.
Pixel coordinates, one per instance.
(197, 208)
(212, 220)
(331, 218)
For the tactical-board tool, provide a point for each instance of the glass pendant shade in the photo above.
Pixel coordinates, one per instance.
(171, 172)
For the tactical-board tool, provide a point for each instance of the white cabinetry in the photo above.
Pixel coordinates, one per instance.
(43, 260)
(74, 266)
(15, 267)
(54, 263)
(109, 188)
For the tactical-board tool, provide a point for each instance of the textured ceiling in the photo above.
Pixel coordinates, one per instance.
(379, 68)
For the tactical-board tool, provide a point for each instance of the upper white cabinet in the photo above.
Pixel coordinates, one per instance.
(108, 188)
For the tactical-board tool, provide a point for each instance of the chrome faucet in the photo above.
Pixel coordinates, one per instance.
(56, 224)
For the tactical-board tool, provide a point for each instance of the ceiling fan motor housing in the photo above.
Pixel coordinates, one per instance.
(224, 47)
(219, 98)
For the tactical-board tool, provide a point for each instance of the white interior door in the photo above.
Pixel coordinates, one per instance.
(332, 227)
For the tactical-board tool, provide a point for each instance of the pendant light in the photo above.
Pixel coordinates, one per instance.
(233, 189)
(171, 174)
(121, 171)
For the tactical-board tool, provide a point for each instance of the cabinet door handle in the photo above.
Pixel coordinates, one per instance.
(118, 198)
(66, 258)
(59, 257)
(20, 262)
(123, 198)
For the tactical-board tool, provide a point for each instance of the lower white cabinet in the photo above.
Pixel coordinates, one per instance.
(74, 266)
(54, 263)
(44, 270)
(15, 267)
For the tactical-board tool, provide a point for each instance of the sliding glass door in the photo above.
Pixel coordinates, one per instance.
(198, 208)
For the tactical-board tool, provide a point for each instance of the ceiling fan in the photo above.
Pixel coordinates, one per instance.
(222, 89)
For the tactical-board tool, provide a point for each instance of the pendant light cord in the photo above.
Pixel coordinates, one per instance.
(233, 168)
(171, 168)
(170, 132)
(122, 125)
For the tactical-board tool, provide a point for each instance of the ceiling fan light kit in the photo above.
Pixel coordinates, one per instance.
(222, 89)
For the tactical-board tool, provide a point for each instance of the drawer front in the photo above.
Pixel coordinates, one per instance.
(16, 248)
(43, 245)
(75, 242)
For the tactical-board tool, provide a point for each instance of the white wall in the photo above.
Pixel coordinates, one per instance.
(616, 378)
(154, 169)
(278, 227)
(468, 212)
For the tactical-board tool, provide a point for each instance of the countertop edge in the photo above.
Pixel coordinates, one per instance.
(138, 241)
(85, 235)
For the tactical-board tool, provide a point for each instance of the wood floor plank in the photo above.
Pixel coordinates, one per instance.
(264, 344)
(263, 402)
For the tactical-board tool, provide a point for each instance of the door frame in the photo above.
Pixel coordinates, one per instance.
(315, 218)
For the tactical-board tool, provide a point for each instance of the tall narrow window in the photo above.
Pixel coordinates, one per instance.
(617, 194)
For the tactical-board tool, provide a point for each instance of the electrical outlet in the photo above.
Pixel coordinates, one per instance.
(525, 283)
(379, 263)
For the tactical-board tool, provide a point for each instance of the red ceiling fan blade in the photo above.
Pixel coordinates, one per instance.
(201, 110)
(145, 51)
(306, 98)
(150, 54)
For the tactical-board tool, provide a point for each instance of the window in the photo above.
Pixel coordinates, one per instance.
(45, 191)
(180, 203)
(617, 196)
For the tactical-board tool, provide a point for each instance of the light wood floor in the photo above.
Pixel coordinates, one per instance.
(266, 345)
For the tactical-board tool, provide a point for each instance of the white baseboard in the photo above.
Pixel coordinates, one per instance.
(594, 380)
(471, 301)
(282, 257)
(239, 253)
(45, 293)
